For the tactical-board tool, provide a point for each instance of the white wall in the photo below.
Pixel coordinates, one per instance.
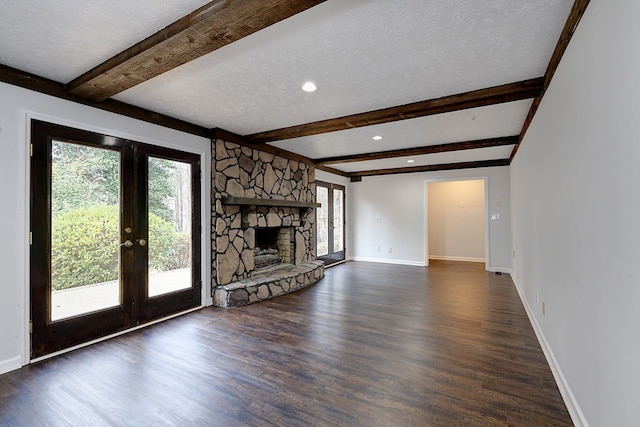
(576, 216)
(390, 211)
(16, 104)
(456, 217)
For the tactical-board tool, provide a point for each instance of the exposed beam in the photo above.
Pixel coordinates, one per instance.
(478, 98)
(206, 29)
(52, 88)
(332, 170)
(431, 168)
(417, 151)
(577, 11)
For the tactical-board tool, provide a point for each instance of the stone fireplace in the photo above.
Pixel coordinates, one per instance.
(263, 242)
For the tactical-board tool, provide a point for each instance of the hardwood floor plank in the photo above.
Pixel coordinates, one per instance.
(369, 345)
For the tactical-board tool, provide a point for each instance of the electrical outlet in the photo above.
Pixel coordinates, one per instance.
(390, 250)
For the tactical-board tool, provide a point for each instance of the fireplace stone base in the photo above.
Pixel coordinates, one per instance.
(268, 283)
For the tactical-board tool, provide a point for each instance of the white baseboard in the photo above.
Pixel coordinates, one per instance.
(388, 261)
(10, 364)
(577, 416)
(455, 258)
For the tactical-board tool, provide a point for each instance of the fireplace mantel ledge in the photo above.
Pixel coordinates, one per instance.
(251, 201)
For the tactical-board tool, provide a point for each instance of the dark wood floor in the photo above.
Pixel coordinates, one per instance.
(369, 345)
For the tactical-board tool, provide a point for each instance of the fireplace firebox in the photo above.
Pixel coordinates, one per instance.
(274, 245)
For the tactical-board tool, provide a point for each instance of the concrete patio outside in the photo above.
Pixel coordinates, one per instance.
(86, 299)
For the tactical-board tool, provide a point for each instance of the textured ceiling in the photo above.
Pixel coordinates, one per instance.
(62, 39)
(465, 125)
(363, 55)
(429, 159)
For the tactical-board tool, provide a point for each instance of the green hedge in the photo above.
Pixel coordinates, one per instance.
(85, 246)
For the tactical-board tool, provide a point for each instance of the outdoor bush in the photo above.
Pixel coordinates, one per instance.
(164, 245)
(85, 246)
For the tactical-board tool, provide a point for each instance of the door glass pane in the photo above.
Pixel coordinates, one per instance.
(85, 229)
(338, 221)
(322, 221)
(169, 199)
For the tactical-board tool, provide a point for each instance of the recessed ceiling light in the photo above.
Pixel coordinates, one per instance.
(377, 138)
(309, 87)
(410, 161)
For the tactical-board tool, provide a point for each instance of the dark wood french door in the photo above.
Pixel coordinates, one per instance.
(115, 235)
(330, 222)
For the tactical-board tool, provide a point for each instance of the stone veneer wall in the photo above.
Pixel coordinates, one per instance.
(244, 172)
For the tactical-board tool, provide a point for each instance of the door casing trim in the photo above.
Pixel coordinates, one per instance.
(26, 117)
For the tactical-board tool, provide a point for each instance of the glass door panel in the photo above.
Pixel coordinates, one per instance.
(330, 222)
(115, 235)
(338, 220)
(169, 217)
(85, 229)
(168, 232)
(322, 221)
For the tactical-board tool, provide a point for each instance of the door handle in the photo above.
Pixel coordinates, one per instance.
(127, 243)
(142, 242)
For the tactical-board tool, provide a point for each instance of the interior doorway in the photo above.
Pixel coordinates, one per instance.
(330, 222)
(115, 235)
(457, 221)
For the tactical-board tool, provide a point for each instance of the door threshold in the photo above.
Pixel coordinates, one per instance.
(116, 334)
(333, 264)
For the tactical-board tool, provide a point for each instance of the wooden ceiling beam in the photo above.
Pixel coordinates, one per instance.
(49, 87)
(478, 98)
(417, 151)
(356, 176)
(332, 170)
(575, 15)
(208, 28)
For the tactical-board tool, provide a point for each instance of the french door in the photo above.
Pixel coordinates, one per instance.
(115, 235)
(330, 222)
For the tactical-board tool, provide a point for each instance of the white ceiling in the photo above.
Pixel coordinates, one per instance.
(478, 154)
(362, 54)
(459, 126)
(62, 39)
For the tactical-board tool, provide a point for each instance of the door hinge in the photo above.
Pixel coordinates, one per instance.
(30, 326)
(30, 238)
(30, 150)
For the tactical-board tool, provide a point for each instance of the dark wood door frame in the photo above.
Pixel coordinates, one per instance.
(50, 336)
(334, 256)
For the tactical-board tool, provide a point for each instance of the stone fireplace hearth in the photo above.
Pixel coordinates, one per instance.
(263, 241)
